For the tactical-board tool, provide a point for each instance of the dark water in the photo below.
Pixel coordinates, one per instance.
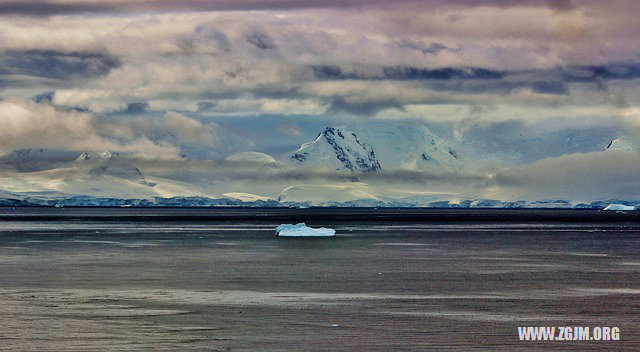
(113, 279)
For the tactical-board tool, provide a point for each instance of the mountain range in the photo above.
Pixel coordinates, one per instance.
(361, 154)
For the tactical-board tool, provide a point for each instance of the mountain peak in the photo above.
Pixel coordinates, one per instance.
(340, 149)
(103, 155)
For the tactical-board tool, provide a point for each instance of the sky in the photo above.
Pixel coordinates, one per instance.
(516, 86)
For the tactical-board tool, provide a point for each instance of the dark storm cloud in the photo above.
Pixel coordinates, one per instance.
(593, 73)
(574, 73)
(339, 104)
(408, 73)
(415, 73)
(57, 65)
(47, 8)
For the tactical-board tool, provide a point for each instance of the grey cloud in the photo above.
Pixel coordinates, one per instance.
(136, 108)
(46, 97)
(57, 65)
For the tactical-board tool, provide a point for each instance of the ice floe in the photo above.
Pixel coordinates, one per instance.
(302, 230)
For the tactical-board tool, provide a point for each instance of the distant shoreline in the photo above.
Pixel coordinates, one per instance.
(330, 214)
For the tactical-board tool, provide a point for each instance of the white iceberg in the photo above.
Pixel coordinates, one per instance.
(616, 206)
(302, 230)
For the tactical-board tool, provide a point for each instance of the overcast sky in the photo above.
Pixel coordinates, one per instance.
(164, 79)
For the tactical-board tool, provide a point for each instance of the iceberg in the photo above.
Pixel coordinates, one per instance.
(302, 230)
(616, 206)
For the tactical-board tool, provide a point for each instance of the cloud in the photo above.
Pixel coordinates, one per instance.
(59, 7)
(136, 108)
(251, 63)
(57, 65)
(598, 175)
(413, 73)
(358, 106)
(290, 130)
(187, 129)
(46, 8)
(27, 124)
(430, 49)
(261, 40)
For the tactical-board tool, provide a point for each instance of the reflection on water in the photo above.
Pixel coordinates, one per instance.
(83, 285)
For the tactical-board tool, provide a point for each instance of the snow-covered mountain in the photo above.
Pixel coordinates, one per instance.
(339, 149)
(379, 146)
(410, 145)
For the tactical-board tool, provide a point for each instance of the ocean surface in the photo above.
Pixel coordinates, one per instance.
(391, 280)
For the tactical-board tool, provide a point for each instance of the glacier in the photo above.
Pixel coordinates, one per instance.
(302, 230)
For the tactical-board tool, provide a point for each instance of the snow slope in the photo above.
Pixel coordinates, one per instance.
(251, 157)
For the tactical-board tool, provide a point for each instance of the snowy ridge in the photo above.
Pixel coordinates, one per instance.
(18, 199)
(115, 164)
(623, 144)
